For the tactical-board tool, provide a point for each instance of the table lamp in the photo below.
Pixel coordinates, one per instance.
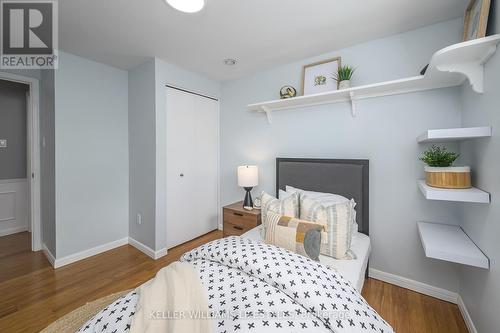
(248, 177)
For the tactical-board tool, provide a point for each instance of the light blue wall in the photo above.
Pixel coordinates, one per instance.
(384, 131)
(91, 154)
(141, 96)
(480, 289)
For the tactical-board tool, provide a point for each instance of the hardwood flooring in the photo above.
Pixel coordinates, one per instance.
(32, 294)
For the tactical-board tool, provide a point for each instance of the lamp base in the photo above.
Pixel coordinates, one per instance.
(248, 202)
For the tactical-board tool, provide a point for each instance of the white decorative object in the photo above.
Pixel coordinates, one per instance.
(448, 67)
(472, 194)
(345, 84)
(455, 134)
(450, 243)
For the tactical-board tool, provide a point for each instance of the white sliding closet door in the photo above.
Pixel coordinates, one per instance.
(192, 166)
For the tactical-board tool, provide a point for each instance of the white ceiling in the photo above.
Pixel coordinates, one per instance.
(259, 33)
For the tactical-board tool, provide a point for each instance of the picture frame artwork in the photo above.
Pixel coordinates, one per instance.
(476, 19)
(318, 77)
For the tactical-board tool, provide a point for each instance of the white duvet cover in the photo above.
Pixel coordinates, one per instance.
(256, 287)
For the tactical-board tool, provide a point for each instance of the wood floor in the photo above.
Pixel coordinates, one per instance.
(32, 294)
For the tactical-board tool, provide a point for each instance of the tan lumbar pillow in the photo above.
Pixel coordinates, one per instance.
(302, 237)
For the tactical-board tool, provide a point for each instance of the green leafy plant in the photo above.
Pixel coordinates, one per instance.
(438, 157)
(344, 73)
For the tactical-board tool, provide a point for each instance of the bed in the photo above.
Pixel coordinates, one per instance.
(349, 178)
(241, 284)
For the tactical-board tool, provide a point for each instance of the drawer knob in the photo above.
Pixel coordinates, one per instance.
(238, 228)
(238, 214)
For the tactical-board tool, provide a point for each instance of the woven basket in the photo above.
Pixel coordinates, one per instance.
(449, 178)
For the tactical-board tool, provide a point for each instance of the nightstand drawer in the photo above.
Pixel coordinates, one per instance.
(241, 219)
(236, 229)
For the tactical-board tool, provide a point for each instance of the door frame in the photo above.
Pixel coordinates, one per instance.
(33, 167)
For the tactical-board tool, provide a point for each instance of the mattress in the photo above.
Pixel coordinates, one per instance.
(352, 270)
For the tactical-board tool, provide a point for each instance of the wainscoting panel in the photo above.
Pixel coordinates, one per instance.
(13, 206)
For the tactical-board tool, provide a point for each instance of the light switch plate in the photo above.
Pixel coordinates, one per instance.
(3, 143)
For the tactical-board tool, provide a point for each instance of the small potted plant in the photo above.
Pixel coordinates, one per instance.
(343, 77)
(440, 172)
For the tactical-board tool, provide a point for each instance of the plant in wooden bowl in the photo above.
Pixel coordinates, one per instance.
(343, 76)
(440, 172)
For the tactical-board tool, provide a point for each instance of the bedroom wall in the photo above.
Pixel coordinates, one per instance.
(141, 97)
(480, 289)
(91, 154)
(148, 154)
(384, 131)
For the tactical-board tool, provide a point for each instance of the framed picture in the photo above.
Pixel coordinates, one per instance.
(476, 19)
(318, 77)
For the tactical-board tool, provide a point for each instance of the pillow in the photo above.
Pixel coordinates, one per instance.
(326, 199)
(288, 206)
(337, 220)
(302, 237)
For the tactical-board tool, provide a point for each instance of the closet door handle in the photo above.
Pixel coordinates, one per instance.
(181, 175)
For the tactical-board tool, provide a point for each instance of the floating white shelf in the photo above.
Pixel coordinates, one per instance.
(450, 243)
(448, 67)
(454, 134)
(466, 195)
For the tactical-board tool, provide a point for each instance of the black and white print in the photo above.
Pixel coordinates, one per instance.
(256, 287)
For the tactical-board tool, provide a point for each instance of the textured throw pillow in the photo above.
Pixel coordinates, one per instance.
(326, 199)
(302, 237)
(337, 220)
(288, 206)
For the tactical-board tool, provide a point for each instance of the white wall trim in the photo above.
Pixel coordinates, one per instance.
(48, 254)
(147, 250)
(439, 293)
(89, 253)
(11, 231)
(465, 314)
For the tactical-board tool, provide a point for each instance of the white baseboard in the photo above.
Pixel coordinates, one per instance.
(465, 314)
(48, 254)
(10, 231)
(89, 253)
(146, 249)
(419, 287)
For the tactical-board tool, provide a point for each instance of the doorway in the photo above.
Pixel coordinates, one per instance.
(19, 163)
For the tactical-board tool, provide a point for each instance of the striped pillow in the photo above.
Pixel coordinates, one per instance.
(337, 220)
(288, 206)
(302, 237)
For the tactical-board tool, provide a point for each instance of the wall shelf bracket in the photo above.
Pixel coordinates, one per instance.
(267, 110)
(353, 104)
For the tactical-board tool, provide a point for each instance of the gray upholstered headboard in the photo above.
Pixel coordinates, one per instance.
(348, 178)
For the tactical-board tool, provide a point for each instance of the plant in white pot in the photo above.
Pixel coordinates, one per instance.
(440, 172)
(343, 77)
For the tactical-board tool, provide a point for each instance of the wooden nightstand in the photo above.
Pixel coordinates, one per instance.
(237, 220)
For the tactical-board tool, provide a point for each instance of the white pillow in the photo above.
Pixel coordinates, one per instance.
(326, 199)
(337, 220)
(288, 206)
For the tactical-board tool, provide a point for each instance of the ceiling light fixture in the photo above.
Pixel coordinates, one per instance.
(230, 62)
(187, 6)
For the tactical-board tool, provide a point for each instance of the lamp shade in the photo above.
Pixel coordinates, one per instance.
(248, 176)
